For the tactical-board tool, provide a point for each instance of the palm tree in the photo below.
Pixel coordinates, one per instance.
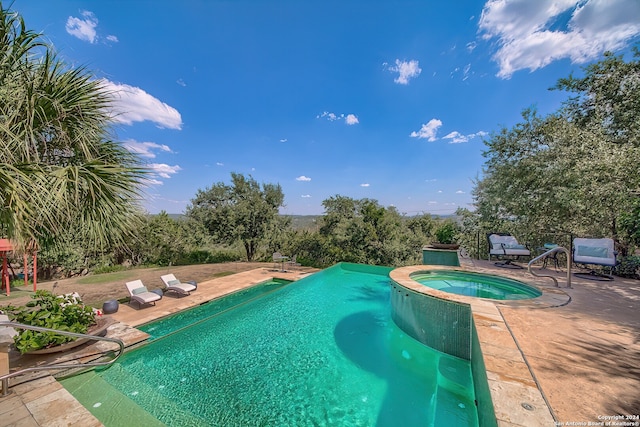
(60, 168)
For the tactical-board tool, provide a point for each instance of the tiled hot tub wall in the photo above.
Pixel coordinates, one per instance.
(448, 327)
(442, 325)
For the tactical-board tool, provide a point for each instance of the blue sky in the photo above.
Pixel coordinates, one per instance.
(388, 100)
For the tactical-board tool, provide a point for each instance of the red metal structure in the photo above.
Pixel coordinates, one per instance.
(5, 247)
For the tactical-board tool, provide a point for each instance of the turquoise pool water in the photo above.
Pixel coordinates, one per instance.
(476, 284)
(189, 318)
(322, 351)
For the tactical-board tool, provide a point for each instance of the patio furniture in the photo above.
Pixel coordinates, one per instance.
(174, 285)
(293, 262)
(111, 306)
(139, 293)
(595, 252)
(278, 258)
(506, 248)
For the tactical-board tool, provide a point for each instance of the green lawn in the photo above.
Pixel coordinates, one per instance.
(117, 276)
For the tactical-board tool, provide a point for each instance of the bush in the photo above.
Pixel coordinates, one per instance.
(208, 257)
(446, 232)
(64, 313)
(629, 267)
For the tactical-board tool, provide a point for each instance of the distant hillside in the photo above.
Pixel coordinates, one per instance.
(311, 222)
(304, 222)
(177, 217)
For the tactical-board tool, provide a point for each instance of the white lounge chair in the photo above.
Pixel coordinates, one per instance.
(175, 285)
(139, 293)
(506, 248)
(594, 252)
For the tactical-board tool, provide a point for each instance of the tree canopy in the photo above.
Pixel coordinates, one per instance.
(243, 211)
(607, 96)
(362, 231)
(574, 171)
(59, 165)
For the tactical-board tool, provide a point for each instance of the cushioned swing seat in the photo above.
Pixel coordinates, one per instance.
(594, 252)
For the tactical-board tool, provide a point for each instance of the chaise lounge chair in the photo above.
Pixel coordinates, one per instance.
(139, 293)
(175, 285)
(506, 248)
(594, 252)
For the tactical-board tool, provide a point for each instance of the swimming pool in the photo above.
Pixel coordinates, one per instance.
(189, 318)
(475, 284)
(320, 351)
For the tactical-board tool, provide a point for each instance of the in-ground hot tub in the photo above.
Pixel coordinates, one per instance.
(475, 284)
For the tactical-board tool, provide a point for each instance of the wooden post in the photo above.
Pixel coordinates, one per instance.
(35, 269)
(25, 271)
(5, 273)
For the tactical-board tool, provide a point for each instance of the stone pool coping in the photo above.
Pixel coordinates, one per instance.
(515, 393)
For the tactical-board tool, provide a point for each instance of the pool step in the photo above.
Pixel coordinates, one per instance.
(454, 375)
(106, 403)
(116, 408)
(455, 403)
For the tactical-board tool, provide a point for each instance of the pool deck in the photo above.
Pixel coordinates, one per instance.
(576, 351)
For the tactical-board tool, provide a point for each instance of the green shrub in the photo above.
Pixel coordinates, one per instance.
(629, 267)
(20, 282)
(446, 232)
(208, 257)
(64, 313)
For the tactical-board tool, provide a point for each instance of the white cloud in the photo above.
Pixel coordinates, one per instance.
(330, 116)
(532, 34)
(456, 137)
(283, 140)
(152, 181)
(428, 130)
(365, 185)
(351, 119)
(83, 28)
(219, 164)
(162, 170)
(306, 196)
(145, 149)
(406, 70)
(303, 178)
(132, 104)
(466, 72)
(460, 192)
(112, 39)
(181, 82)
